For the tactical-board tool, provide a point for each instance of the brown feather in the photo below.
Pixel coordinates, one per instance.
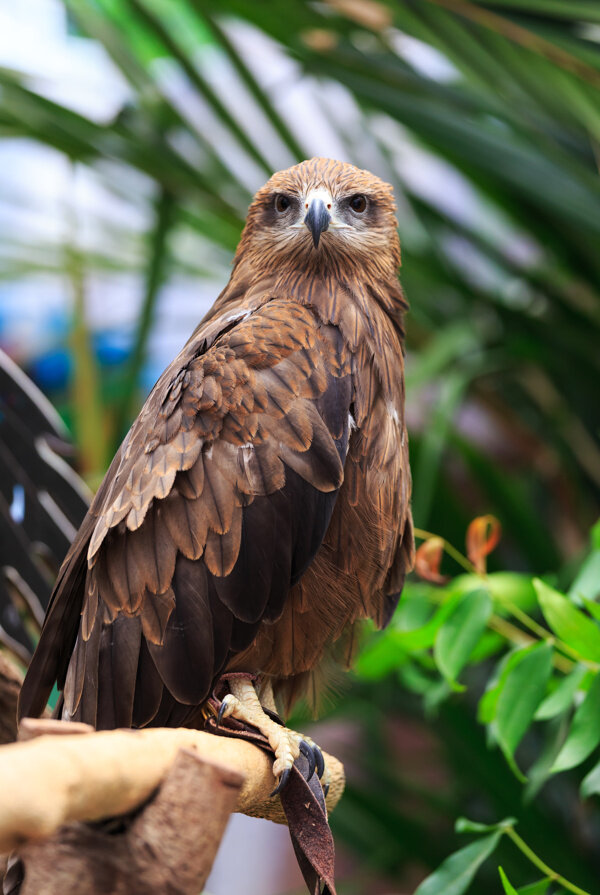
(156, 611)
(180, 520)
(222, 549)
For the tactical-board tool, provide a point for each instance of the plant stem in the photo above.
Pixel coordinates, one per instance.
(546, 635)
(520, 638)
(509, 632)
(450, 550)
(165, 213)
(518, 613)
(88, 414)
(531, 855)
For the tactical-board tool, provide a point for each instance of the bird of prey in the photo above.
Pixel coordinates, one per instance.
(259, 505)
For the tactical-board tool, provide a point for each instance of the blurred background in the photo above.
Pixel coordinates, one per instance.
(133, 134)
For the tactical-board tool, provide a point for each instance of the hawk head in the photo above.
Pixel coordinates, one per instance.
(320, 213)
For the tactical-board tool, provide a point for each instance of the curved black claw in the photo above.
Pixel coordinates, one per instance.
(310, 756)
(325, 790)
(282, 782)
(319, 760)
(220, 713)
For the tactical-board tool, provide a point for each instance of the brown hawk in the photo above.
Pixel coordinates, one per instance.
(259, 505)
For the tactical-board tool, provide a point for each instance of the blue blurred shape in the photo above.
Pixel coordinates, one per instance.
(51, 370)
(17, 507)
(111, 348)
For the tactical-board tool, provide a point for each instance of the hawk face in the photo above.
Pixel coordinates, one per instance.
(320, 213)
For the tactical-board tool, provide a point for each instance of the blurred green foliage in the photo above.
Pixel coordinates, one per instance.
(530, 657)
(502, 372)
(497, 334)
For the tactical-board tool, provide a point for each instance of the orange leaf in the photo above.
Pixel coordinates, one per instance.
(428, 559)
(482, 536)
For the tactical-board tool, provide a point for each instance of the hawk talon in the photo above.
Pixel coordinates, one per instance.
(226, 708)
(283, 781)
(310, 755)
(318, 757)
(319, 760)
(244, 704)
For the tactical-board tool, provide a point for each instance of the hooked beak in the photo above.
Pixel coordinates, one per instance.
(317, 219)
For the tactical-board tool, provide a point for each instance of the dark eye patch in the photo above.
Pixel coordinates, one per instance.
(279, 208)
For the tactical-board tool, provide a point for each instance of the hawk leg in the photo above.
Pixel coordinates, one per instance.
(244, 705)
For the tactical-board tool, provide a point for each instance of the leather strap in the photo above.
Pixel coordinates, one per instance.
(304, 807)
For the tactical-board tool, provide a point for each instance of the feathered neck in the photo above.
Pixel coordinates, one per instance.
(329, 290)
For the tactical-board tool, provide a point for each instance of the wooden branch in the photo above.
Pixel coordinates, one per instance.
(169, 847)
(54, 779)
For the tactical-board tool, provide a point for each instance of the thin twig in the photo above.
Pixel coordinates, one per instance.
(165, 216)
(541, 865)
(450, 550)
(505, 628)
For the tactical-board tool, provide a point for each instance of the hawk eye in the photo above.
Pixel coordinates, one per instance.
(358, 203)
(282, 202)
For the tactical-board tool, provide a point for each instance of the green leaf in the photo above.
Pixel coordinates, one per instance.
(414, 678)
(434, 697)
(412, 629)
(388, 651)
(508, 887)
(590, 785)
(539, 888)
(454, 875)
(521, 693)
(592, 607)
(555, 733)
(584, 735)
(253, 86)
(489, 644)
(464, 825)
(512, 587)
(486, 710)
(414, 611)
(379, 657)
(459, 634)
(568, 622)
(561, 698)
(587, 580)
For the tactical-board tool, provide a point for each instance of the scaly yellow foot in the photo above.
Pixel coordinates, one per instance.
(243, 703)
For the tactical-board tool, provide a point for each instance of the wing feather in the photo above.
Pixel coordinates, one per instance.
(148, 691)
(216, 504)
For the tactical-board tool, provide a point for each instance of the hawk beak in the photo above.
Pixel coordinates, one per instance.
(317, 219)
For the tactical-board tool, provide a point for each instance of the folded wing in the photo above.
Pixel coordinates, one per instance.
(215, 505)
